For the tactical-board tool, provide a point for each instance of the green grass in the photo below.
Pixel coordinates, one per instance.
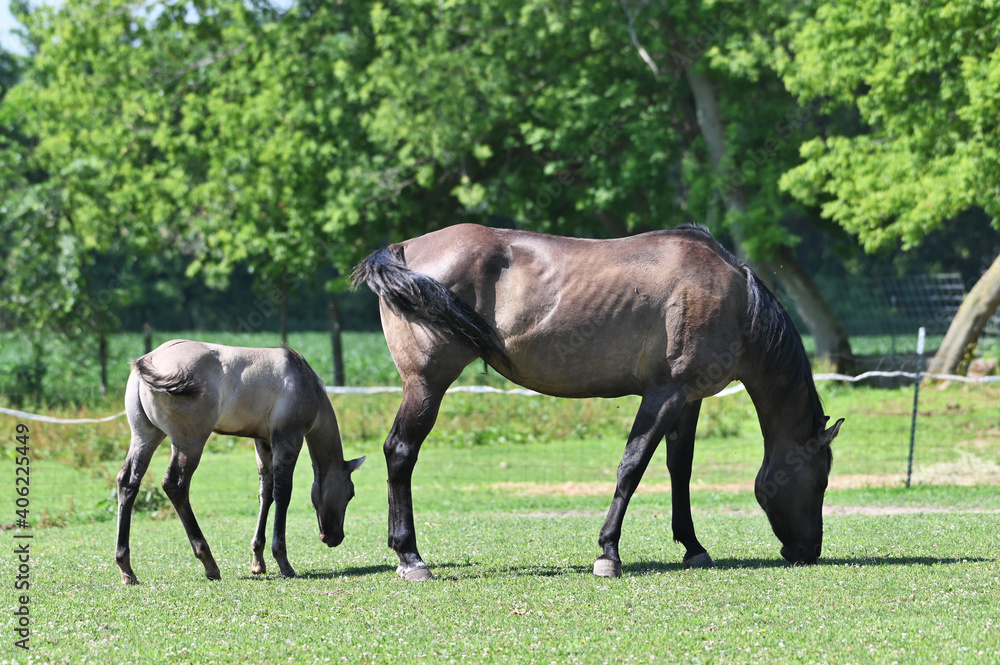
(513, 577)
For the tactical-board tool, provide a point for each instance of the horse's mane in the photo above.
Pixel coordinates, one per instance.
(769, 327)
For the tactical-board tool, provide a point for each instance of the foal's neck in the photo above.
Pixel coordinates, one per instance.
(323, 440)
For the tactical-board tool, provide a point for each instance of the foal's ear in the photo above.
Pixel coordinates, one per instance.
(830, 434)
(354, 464)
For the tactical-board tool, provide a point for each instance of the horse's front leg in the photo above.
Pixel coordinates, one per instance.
(184, 461)
(285, 450)
(266, 496)
(656, 415)
(414, 421)
(680, 453)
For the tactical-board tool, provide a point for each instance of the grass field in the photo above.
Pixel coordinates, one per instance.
(510, 493)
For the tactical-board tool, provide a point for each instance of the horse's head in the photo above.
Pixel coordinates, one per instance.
(790, 487)
(332, 490)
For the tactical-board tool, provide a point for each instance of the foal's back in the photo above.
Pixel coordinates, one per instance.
(193, 388)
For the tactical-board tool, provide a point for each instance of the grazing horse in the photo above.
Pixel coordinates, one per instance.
(187, 390)
(669, 315)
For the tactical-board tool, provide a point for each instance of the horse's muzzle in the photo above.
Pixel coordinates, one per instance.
(803, 554)
(331, 541)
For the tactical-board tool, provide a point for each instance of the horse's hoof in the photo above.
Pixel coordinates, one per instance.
(129, 579)
(700, 561)
(288, 573)
(607, 568)
(214, 575)
(418, 573)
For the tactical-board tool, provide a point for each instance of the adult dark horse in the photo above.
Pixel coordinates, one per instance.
(669, 315)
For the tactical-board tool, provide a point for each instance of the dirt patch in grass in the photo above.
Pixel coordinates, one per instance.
(968, 470)
(900, 510)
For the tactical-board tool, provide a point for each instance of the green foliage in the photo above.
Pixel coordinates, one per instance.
(151, 499)
(923, 79)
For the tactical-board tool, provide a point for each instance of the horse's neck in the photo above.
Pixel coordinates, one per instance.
(323, 441)
(787, 407)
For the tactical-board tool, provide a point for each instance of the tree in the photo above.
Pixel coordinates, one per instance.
(924, 80)
(542, 113)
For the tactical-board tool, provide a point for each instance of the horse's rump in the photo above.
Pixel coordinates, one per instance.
(183, 382)
(405, 291)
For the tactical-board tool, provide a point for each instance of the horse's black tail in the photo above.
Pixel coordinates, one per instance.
(184, 383)
(386, 274)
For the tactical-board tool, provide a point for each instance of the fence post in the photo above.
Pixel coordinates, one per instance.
(916, 397)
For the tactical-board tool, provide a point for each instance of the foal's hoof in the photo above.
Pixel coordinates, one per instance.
(129, 579)
(214, 575)
(607, 568)
(418, 573)
(700, 561)
(288, 573)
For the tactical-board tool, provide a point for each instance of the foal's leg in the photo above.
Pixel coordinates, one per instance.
(413, 423)
(266, 495)
(145, 439)
(680, 452)
(657, 413)
(285, 449)
(184, 461)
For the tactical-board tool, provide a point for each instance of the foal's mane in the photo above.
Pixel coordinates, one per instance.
(303, 366)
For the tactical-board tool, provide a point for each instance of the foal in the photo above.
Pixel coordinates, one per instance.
(187, 390)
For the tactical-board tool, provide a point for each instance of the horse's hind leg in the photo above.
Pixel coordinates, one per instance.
(145, 439)
(680, 452)
(656, 415)
(184, 461)
(264, 470)
(413, 423)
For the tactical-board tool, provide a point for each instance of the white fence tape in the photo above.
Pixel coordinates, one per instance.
(24, 415)
(350, 390)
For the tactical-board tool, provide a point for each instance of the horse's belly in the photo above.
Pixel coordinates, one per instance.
(578, 364)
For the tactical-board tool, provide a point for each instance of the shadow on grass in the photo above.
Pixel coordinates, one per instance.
(658, 567)
(353, 571)
(471, 571)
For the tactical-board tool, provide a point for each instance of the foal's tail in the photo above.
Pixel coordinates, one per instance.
(182, 382)
(385, 272)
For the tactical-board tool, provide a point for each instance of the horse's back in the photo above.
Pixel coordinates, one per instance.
(241, 391)
(584, 317)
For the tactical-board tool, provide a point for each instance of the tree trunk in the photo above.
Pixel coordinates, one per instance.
(336, 343)
(283, 308)
(968, 324)
(102, 357)
(147, 337)
(832, 343)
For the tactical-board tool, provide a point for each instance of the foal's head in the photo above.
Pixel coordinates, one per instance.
(332, 490)
(790, 487)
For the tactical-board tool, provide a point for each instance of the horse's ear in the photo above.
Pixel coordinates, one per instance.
(830, 434)
(354, 464)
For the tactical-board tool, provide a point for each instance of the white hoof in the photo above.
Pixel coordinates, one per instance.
(607, 568)
(419, 573)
